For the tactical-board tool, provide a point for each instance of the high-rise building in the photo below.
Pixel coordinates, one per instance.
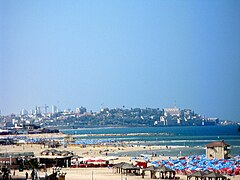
(45, 109)
(54, 109)
(38, 110)
(24, 112)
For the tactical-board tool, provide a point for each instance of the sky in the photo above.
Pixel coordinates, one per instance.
(137, 53)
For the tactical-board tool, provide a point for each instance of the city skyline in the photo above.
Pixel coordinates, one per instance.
(121, 53)
(46, 109)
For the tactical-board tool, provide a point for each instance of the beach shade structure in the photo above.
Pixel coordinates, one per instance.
(197, 175)
(130, 169)
(216, 176)
(45, 152)
(207, 172)
(119, 166)
(100, 160)
(75, 161)
(126, 168)
(57, 157)
(165, 172)
(95, 162)
(90, 161)
(164, 168)
(152, 170)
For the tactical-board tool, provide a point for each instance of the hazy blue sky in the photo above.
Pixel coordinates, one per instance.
(140, 53)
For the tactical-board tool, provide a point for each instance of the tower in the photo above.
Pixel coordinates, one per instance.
(54, 109)
(24, 112)
(218, 149)
(45, 109)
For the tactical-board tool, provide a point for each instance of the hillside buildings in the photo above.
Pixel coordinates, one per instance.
(136, 117)
(186, 117)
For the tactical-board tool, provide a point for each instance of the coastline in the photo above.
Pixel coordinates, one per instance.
(196, 144)
(92, 151)
(194, 140)
(124, 146)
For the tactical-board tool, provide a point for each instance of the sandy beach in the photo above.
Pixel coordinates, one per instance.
(99, 174)
(95, 174)
(90, 151)
(102, 150)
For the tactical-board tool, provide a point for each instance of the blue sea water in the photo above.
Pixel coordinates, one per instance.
(193, 138)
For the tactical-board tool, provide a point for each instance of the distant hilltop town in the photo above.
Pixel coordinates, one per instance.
(117, 117)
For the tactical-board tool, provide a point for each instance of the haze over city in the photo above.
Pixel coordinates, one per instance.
(121, 53)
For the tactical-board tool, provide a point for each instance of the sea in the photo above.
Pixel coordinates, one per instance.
(179, 140)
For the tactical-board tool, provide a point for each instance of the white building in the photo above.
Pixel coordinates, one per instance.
(171, 111)
(163, 120)
(24, 112)
(78, 110)
(54, 109)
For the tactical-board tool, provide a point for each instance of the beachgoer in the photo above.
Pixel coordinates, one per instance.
(36, 174)
(26, 175)
(32, 174)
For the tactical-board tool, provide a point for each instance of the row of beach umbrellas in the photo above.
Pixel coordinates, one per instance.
(201, 163)
(25, 139)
